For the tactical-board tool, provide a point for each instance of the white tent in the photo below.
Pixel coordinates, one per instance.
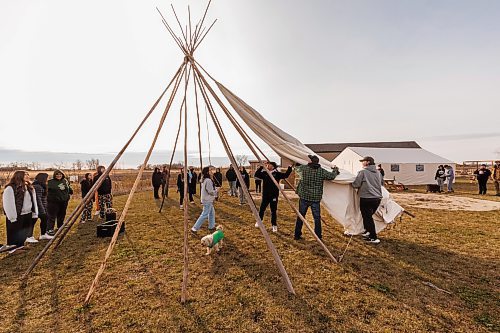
(409, 166)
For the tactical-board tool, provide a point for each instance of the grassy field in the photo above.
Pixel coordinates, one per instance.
(383, 288)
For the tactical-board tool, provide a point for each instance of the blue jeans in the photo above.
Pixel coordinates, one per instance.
(316, 211)
(208, 212)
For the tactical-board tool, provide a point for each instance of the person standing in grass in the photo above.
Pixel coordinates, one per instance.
(258, 181)
(496, 177)
(105, 197)
(192, 182)
(482, 175)
(19, 204)
(40, 186)
(440, 177)
(218, 178)
(369, 183)
(156, 181)
(231, 179)
(59, 192)
(246, 179)
(310, 191)
(270, 192)
(208, 195)
(450, 177)
(180, 188)
(86, 185)
(164, 181)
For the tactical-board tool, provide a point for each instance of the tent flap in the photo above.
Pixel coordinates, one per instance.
(339, 198)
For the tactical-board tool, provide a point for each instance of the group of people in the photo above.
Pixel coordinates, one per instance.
(46, 200)
(368, 182)
(445, 175)
(483, 174)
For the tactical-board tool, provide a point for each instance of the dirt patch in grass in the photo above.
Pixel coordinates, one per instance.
(444, 201)
(375, 288)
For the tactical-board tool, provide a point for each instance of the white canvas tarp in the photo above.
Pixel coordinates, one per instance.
(339, 198)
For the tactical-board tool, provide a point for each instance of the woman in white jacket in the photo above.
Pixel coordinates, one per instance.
(208, 195)
(19, 204)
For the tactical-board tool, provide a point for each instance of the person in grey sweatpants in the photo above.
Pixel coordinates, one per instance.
(369, 183)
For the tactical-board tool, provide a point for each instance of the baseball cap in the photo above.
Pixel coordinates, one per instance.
(368, 159)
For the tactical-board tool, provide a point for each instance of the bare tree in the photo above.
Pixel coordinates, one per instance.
(92, 164)
(79, 164)
(241, 159)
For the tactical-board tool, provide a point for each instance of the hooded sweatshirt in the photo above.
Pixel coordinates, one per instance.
(208, 192)
(369, 182)
(58, 190)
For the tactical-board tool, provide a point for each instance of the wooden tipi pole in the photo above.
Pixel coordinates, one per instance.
(61, 232)
(246, 193)
(132, 191)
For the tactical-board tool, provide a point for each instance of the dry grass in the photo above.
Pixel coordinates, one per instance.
(375, 289)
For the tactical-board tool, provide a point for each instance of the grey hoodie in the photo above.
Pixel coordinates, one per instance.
(369, 181)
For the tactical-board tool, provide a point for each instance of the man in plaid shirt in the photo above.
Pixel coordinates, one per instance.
(310, 191)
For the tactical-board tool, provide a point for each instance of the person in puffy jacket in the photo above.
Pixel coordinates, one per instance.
(369, 183)
(59, 192)
(104, 197)
(40, 186)
(19, 204)
(156, 181)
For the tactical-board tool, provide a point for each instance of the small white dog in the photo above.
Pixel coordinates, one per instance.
(213, 241)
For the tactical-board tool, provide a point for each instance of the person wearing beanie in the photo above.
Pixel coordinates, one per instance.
(369, 183)
(310, 191)
(270, 192)
(482, 175)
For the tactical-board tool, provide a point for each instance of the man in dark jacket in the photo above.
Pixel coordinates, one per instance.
(369, 184)
(193, 180)
(218, 178)
(270, 192)
(156, 181)
(310, 191)
(58, 195)
(231, 178)
(482, 176)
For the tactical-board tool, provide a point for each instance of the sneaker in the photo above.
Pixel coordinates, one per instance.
(5, 248)
(15, 249)
(373, 241)
(82, 221)
(51, 233)
(366, 234)
(181, 207)
(31, 240)
(46, 237)
(275, 228)
(256, 224)
(194, 231)
(191, 201)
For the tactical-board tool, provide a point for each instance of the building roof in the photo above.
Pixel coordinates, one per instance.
(400, 155)
(338, 147)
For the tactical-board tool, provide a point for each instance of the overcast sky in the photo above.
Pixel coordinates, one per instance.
(79, 76)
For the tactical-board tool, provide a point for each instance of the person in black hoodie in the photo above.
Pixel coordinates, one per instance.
(156, 180)
(270, 191)
(440, 177)
(180, 188)
(482, 176)
(246, 179)
(231, 179)
(193, 180)
(40, 186)
(104, 195)
(86, 184)
(59, 192)
(218, 178)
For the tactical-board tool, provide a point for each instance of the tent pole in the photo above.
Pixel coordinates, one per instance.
(239, 129)
(248, 197)
(132, 191)
(61, 232)
(186, 206)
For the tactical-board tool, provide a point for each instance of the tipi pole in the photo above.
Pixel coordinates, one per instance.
(246, 193)
(90, 194)
(185, 270)
(132, 191)
(242, 133)
(172, 158)
(94, 188)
